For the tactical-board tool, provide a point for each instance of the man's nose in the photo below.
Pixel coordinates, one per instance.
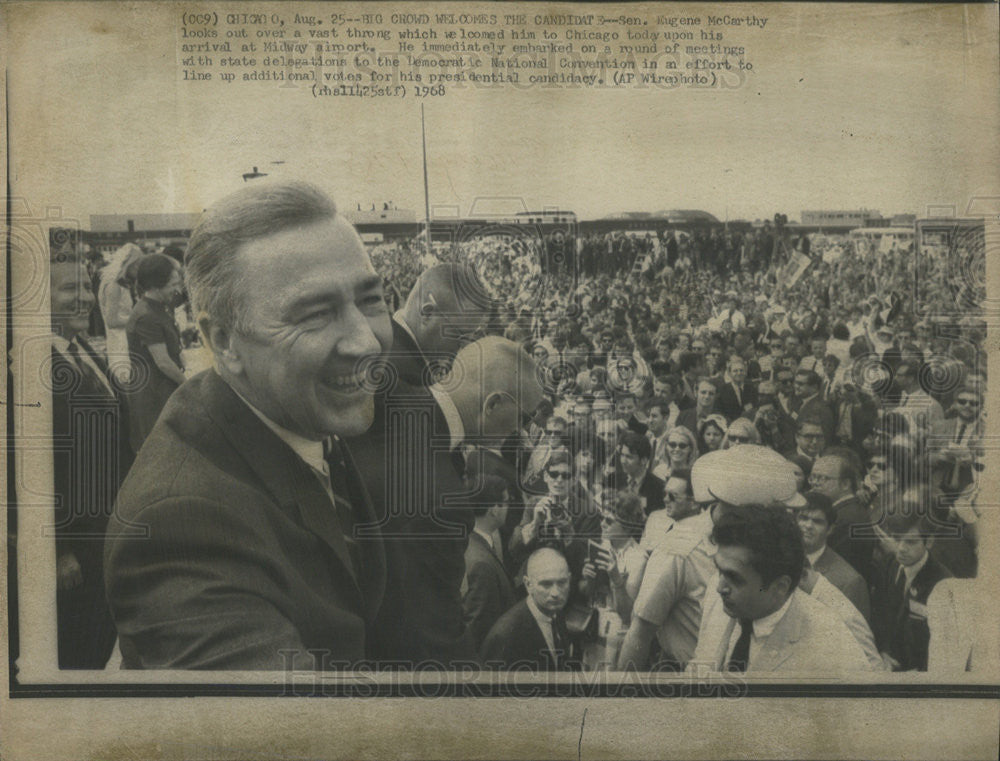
(357, 337)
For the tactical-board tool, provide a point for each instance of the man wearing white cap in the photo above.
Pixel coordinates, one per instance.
(674, 583)
(754, 475)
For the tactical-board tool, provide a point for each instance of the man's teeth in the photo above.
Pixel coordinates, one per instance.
(345, 382)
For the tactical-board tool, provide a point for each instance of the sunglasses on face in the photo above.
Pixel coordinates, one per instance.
(877, 465)
(563, 475)
(677, 444)
(967, 402)
(739, 439)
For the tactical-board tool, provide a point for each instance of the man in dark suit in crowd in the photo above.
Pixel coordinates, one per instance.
(736, 397)
(810, 439)
(902, 587)
(816, 520)
(691, 417)
(834, 476)
(533, 633)
(410, 465)
(808, 386)
(243, 497)
(91, 457)
(856, 415)
(488, 592)
(634, 475)
(426, 521)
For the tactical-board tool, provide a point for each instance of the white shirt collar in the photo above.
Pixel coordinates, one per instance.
(911, 571)
(309, 451)
(544, 619)
(451, 415)
(401, 321)
(60, 344)
(812, 557)
(65, 347)
(484, 535)
(763, 627)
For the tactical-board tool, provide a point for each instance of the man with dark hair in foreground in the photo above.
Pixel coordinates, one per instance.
(764, 622)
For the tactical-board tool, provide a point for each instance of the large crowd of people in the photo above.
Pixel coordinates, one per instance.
(697, 450)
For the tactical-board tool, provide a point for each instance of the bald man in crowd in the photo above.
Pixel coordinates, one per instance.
(414, 462)
(533, 633)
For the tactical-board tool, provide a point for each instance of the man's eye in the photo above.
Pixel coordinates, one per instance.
(317, 314)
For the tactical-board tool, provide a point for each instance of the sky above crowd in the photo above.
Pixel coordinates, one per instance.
(888, 107)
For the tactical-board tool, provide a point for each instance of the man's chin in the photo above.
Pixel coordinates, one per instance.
(351, 420)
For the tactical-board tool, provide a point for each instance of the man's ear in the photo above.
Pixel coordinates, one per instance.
(493, 402)
(220, 341)
(782, 586)
(428, 307)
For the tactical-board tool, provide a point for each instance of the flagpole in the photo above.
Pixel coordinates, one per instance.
(427, 202)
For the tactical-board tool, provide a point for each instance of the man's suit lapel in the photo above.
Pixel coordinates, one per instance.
(486, 549)
(777, 648)
(373, 582)
(289, 480)
(407, 357)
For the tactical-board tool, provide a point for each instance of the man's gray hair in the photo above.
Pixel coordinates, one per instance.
(214, 277)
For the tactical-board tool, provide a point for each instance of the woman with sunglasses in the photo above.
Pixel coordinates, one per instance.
(741, 431)
(563, 518)
(711, 432)
(682, 449)
(614, 566)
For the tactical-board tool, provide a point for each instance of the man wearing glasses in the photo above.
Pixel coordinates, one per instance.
(959, 437)
(810, 439)
(668, 604)
(785, 384)
(833, 476)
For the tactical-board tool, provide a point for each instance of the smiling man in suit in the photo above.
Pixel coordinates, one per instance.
(90, 458)
(233, 544)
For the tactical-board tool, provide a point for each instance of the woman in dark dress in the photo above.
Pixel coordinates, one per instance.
(154, 344)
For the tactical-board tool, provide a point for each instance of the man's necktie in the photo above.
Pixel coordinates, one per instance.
(560, 638)
(97, 386)
(961, 432)
(740, 658)
(339, 492)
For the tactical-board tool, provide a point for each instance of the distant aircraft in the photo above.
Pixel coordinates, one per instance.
(253, 175)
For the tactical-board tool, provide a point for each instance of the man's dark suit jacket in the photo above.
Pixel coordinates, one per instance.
(515, 641)
(840, 573)
(91, 456)
(481, 462)
(489, 592)
(864, 415)
(689, 419)
(727, 403)
(855, 546)
(416, 484)
(652, 489)
(225, 551)
(900, 620)
(817, 409)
